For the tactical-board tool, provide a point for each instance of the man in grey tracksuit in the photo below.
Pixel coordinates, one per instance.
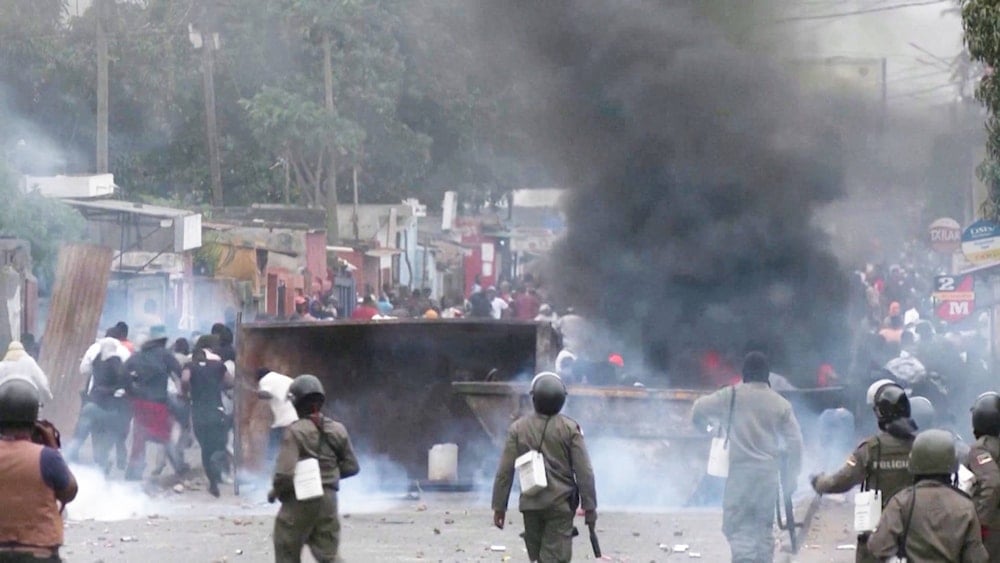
(763, 429)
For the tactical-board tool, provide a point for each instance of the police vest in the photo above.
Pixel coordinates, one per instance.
(888, 467)
(29, 514)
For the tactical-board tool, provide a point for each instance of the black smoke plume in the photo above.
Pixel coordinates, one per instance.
(695, 169)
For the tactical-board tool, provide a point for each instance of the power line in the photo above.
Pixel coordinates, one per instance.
(861, 11)
(917, 93)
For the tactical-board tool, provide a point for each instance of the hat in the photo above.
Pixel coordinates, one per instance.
(157, 332)
(15, 352)
(616, 360)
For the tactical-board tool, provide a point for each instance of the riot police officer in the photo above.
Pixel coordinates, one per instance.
(922, 412)
(881, 462)
(34, 479)
(548, 514)
(932, 520)
(311, 521)
(982, 461)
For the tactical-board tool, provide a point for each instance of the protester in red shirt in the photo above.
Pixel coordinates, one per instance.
(366, 310)
(526, 305)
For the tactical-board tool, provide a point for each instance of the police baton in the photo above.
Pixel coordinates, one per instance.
(594, 543)
(785, 498)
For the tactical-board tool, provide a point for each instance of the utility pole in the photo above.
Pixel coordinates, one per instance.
(208, 46)
(101, 8)
(332, 220)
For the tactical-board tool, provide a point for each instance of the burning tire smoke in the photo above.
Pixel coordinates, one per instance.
(695, 170)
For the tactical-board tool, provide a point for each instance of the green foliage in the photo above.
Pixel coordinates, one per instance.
(45, 223)
(981, 21)
(415, 110)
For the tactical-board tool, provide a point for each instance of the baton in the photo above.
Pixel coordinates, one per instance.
(785, 497)
(594, 543)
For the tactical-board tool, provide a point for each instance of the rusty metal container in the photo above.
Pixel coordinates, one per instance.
(634, 434)
(390, 381)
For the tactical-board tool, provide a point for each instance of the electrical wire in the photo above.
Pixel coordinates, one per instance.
(861, 11)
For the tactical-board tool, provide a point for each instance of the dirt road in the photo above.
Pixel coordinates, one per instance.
(192, 527)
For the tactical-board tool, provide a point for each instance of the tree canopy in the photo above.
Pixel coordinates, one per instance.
(307, 92)
(981, 21)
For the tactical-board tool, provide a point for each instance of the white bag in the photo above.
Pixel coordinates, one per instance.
(867, 510)
(718, 452)
(531, 472)
(718, 457)
(966, 479)
(307, 479)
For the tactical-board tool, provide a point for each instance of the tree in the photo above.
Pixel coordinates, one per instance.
(43, 222)
(981, 21)
(300, 132)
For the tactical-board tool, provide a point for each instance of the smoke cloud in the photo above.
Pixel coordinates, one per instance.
(695, 170)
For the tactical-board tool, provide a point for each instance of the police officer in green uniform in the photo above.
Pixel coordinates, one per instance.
(882, 461)
(548, 514)
(982, 461)
(930, 521)
(312, 522)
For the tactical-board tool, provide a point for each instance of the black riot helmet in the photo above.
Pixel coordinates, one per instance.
(306, 392)
(986, 415)
(18, 403)
(891, 403)
(548, 393)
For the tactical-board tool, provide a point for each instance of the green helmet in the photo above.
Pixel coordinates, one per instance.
(304, 386)
(548, 393)
(933, 453)
(18, 402)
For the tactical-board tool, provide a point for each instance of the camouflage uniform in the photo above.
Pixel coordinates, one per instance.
(548, 514)
(882, 462)
(311, 522)
(943, 526)
(982, 461)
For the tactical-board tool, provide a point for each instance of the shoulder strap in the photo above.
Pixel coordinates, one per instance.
(872, 470)
(729, 423)
(901, 548)
(541, 440)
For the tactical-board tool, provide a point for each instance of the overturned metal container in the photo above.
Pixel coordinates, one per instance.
(390, 381)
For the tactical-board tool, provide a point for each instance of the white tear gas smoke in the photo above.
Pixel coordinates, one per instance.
(695, 170)
(380, 486)
(26, 148)
(107, 500)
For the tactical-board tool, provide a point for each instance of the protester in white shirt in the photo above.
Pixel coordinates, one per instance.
(497, 304)
(273, 387)
(17, 364)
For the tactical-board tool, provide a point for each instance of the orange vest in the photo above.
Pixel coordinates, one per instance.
(29, 512)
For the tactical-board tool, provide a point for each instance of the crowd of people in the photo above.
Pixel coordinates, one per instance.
(898, 336)
(160, 395)
(522, 300)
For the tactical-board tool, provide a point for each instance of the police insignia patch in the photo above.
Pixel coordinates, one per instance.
(983, 458)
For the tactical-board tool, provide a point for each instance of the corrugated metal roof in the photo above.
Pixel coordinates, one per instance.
(118, 206)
